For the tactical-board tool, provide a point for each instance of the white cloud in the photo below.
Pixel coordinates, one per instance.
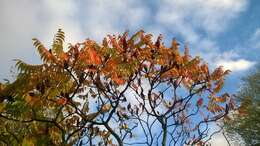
(215, 15)
(104, 17)
(23, 20)
(231, 60)
(191, 19)
(236, 65)
(211, 16)
(62, 14)
(218, 140)
(17, 26)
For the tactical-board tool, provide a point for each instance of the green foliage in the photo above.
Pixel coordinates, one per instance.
(246, 121)
(58, 40)
(27, 68)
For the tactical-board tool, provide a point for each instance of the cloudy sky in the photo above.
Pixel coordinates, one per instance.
(223, 32)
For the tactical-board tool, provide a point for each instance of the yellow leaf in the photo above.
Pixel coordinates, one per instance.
(28, 98)
(2, 106)
(124, 126)
(166, 104)
(27, 142)
(90, 116)
(109, 141)
(105, 108)
(32, 100)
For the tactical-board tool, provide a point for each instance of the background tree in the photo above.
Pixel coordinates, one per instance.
(126, 91)
(246, 119)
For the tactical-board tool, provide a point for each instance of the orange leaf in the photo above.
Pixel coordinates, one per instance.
(64, 56)
(214, 108)
(28, 98)
(118, 80)
(220, 99)
(218, 85)
(112, 63)
(94, 56)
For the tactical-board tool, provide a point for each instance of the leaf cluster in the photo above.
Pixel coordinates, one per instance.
(101, 93)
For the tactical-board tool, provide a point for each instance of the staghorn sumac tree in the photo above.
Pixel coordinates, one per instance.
(125, 91)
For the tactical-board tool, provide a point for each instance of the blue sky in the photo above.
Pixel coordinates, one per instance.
(222, 32)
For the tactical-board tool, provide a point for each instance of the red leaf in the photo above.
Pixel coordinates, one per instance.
(135, 86)
(200, 102)
(62, 101)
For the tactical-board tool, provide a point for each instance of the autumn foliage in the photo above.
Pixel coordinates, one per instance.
(125, 91)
